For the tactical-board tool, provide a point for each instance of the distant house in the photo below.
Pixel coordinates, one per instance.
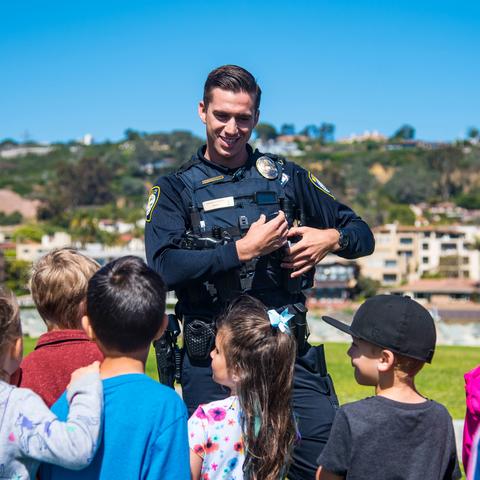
(15, 151)
(441, 290)
(279, 147)
(31, 251)
(335, 281)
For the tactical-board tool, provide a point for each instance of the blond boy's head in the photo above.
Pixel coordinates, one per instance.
(370, 361)
(59, 284)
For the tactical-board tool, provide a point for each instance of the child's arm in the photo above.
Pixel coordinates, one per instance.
(196, 462)
(326, 475)
(71, 444)
(197, 429)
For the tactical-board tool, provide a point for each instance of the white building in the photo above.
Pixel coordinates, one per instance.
(32, 251)
(404, 253)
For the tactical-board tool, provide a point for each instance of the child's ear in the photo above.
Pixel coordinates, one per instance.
(386, 361)
(88, 327)
(17, 349)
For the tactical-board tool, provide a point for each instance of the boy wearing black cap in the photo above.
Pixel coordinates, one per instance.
(397, 433)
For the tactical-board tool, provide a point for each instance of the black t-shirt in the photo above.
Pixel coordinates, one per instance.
(379, 438)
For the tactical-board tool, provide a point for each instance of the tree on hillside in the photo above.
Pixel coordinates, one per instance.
(446, 161)
(410, 185)
(132, 135)
(473, 133)
(266, 131)
(84, 183)
(405, 132)
(28, 232)
(311, 131)
(287, 129)
(326, 132)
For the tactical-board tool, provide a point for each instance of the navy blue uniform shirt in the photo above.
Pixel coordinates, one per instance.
(168, 219)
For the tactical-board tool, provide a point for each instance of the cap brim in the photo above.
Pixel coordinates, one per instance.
(337, 324)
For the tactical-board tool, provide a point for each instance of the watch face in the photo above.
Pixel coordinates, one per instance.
(342, 240)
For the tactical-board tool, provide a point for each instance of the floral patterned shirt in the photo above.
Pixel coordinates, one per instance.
(215, 434)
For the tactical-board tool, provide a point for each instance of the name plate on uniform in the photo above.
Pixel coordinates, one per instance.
(217, 203)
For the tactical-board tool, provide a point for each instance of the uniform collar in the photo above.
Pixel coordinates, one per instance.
(222, 168)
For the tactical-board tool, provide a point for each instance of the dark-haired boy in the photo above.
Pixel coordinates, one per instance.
(398, 433)
(145, 426)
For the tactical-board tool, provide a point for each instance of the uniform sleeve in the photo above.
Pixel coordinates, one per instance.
(336, 454)
(166, 224)
(197, 431)
(324, 211)
(72, 444)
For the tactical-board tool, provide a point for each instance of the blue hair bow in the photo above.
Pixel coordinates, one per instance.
(280, 320)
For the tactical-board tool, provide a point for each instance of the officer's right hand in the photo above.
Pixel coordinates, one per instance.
(263, 237)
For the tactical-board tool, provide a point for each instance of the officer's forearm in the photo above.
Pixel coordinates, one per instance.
(360, 238)
(179, 266)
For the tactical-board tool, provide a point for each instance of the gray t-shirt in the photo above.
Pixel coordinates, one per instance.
(379, 438)
(30, 433)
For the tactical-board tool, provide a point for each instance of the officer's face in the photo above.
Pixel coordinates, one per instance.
(221, 374)
(230, 118)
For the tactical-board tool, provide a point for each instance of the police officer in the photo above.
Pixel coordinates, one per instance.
(234, 220)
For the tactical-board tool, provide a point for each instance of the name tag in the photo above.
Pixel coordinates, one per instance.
(224, 202)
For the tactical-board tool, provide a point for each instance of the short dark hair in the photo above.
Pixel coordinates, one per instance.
(126, 304)
(233, 79)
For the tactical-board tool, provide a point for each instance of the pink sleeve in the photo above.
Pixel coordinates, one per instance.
(472, 415)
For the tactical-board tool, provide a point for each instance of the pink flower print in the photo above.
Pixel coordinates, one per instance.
(231, 421)
(238, 446)
(199, 413)
(214, 467)
(227, 438)
(217, 413)
(199, 450)
(210, 446)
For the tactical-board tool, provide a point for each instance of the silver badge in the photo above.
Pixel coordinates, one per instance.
(266, 167)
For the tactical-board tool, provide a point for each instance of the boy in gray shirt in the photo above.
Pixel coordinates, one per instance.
(398, 433)
(29, 432)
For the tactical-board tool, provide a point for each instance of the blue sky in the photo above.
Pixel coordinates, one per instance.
(68, 68)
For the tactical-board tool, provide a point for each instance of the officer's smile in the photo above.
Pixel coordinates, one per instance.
(229, 141)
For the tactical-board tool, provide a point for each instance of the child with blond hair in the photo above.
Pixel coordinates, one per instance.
(58, 285)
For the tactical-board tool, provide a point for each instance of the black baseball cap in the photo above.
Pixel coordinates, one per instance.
(394, 322)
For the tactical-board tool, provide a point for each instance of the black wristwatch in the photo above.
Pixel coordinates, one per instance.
(342, 239)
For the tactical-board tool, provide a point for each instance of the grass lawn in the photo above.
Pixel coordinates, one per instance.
(441, 381)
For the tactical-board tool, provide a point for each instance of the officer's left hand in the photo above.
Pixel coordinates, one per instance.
(313, 245)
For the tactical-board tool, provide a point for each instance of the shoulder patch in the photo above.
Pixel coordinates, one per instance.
(152, 201)
(319, 184)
